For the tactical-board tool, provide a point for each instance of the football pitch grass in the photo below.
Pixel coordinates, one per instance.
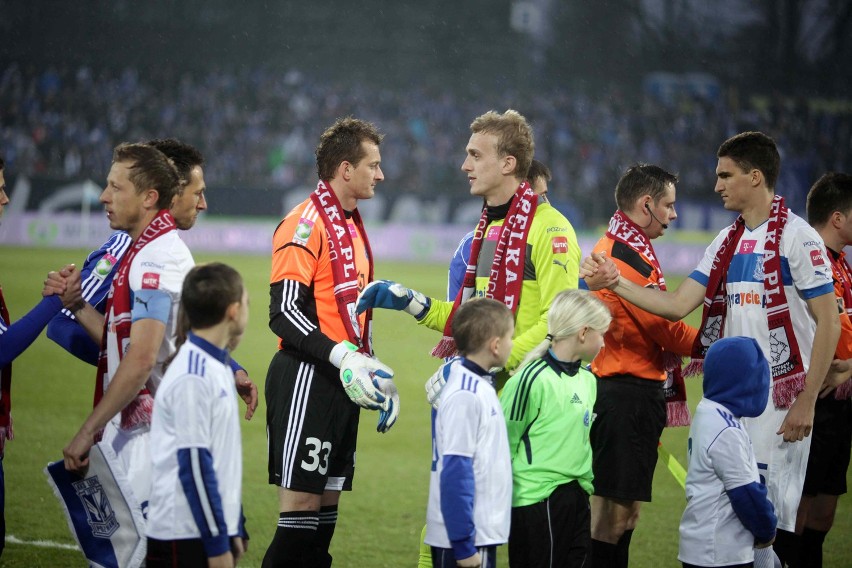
(380, 521)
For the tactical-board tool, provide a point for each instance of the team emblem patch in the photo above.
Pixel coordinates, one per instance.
(99, 513)
(587, 418)
(150, 281)
(817, 258)
(303, 231)
(104, 266)
(559, 245)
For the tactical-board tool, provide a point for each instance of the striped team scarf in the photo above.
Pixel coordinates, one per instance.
(625, 231)
(118, 317)
(344, 271)
(5, 388)
(843, 290)
(507, 266)
(788, 375)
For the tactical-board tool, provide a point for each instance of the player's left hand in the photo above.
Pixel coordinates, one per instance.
(435, 384)
(6, 433)
(839, 372)
(247, 391)
(799, 421)
(599, 271)
(393, 296)
(76, 453)
(389, 411)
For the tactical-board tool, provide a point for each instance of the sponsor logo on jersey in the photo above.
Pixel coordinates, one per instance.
(104, 266)
(149, 264)
(99, 513)
(817, 258)
(564, 265)
(750, 298)
(353, 232)
(559, 245)
(747, 246)
(493, 233)
(150, 281)
(303, 231)
(576, 399)
(557, 229)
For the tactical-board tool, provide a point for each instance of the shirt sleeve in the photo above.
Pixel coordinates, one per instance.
(809, 264)
(458, 267)
(15, 338)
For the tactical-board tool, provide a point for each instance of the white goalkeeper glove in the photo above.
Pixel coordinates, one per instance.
(435, 383)
(390, 409)
(357, 374)
(393, 296)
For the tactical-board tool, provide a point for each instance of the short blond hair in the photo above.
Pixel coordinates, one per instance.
(514, 137)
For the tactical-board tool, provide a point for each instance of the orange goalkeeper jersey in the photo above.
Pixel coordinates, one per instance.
(634, 343)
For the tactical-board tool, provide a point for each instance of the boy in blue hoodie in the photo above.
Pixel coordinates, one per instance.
(728, 514)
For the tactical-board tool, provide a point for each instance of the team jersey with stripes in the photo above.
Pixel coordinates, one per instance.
(548, 416)
(196, 450)
(303, 309)
(551, 265)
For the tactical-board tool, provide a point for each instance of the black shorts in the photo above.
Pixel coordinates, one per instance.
(187, 553)
(312, 427)
(553, 532)
(630, 414)
(831, 440)
(443, 557)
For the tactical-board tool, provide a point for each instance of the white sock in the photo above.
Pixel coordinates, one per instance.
(766, 558)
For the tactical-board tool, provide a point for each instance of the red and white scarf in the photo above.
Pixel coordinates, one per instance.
(118, 316)
(843, 274)
(507, 267)
(5, 388)
(788, 377)
(625, 231)
(343, 268)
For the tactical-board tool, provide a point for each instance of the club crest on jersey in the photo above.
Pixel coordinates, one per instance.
(758, 270)
(817, 258)
(303, 231)
(587, 418)
(99, 513)
(104, 266)
(559, 245)
(150, 281)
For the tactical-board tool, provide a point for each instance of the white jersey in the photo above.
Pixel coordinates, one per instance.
(806, 274)
(720, 458)
(195, 410)
(470, 423)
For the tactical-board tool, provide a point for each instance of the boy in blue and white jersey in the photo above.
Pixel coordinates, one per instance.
(195, 512)
(470, 490)
(728, 513)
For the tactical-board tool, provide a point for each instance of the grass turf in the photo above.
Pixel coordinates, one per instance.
(380, 521)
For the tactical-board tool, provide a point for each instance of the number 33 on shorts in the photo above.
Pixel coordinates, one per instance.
(318, 455)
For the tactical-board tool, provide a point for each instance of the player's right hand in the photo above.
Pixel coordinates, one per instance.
(599, 271)
(76, 453)
(393, 296)
(435, 384)
(225, 560)
(356, 375)
(474, 561)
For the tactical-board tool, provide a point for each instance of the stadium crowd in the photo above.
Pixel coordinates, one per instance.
(262, 123)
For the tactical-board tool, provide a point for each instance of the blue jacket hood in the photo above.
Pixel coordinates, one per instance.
(736, 375)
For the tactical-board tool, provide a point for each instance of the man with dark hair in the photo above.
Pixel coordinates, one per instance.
(830, 213)
(14, 340)
(323, 370)
(764, 277)
(641, 351)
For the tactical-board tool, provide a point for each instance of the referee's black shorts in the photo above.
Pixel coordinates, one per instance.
(630, 414)
(831, 440)
(186, 553)
(312, 426)
(553, 532)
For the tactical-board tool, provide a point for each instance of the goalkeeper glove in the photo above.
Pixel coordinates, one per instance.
(356, 374)
(390, 409)
(393, 296)
(435, 383)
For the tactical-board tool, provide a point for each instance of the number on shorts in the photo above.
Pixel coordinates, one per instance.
(318, 455)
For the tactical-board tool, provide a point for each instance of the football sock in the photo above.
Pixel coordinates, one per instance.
(604, 554)
(325, 530)
(810, 554)
(623, 549)
(294, 543)
(766, 558)
(786, 546)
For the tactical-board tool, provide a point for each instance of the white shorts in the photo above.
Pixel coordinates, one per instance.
(134, 454)
(782, 465)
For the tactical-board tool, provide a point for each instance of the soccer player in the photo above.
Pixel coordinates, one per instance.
(140, 316)
(548, 407)
(195, 513)
(640, 351)
(101, 265)
(829, 208)
(14, 340)
(323, 370)
(727, 512)
(470, 487)
(522, 254)
(765, 276)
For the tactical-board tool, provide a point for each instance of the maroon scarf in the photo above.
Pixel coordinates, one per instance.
(843, 274)
(625, 231)
(788, 377)
(507, 267)
(344, 271)
(5, 388)
(118, 315)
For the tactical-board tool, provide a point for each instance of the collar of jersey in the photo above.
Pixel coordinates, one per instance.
(220, 355)
(568, 367)
(471, 366)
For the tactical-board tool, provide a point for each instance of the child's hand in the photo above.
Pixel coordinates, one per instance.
(764, 544)
(474, 561)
